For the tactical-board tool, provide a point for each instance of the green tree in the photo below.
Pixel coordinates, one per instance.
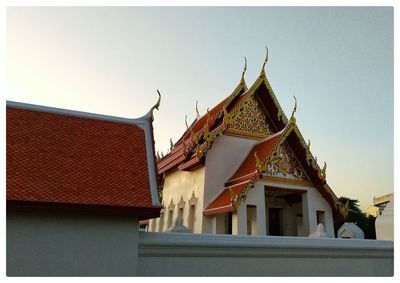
(352, 213)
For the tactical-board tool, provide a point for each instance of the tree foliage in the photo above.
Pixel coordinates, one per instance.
(352, 213)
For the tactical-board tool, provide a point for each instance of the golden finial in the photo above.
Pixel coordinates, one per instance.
(292, 118)
(155, 105)
(197, 109)
(171, 144)
(324, 170)
(244, 70)
(265, 62)
(187, 127)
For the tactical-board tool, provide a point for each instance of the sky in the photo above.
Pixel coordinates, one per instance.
(337, 61)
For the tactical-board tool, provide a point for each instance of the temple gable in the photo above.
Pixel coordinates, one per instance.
(251, 122)
(286, 165)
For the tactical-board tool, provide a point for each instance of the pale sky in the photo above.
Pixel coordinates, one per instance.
(338, 62)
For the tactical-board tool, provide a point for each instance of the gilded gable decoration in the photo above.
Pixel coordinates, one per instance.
(250, 122)
(286, 164)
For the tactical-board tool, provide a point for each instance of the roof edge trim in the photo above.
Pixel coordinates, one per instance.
(67, 112)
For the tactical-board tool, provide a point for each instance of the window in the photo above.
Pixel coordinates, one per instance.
(228, 223)
(251, 220)
(170, 215)
(161, 222)
(191, 217)
(320, 217)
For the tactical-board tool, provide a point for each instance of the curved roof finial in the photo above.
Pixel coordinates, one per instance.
(265, 62)
(292, 119)
(244, 70)
(155, 106)
(171, 144)
(187, 127)
(197, 109)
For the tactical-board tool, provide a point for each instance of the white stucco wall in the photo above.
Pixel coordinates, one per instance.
(183, 184)
(239, 220)
(60, 244)
(222, 161)
(173, 254)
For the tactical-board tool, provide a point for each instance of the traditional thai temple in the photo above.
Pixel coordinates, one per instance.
(244, 168)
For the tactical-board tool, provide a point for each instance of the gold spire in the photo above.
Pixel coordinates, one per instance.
(265, 61)
(244, 70)
(197, 110)
(155, 106)
(292, 118)
(324, 170)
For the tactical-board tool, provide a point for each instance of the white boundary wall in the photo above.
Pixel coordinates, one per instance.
(174, 254)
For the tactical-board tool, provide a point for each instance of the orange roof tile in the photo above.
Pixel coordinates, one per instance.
(57, 158)
(248, 166)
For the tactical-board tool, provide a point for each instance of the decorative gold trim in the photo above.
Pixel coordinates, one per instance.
(244, 134)
(304, 183)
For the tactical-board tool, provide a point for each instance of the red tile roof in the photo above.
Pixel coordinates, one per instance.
(224, 202)
(178, 155)
(263, 149)
(57, 158)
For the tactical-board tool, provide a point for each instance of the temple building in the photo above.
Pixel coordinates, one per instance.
(244, 168)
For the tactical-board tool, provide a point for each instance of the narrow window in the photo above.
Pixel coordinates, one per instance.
(169, 222)
(191, 218)
(228, 223)
(251, 220)
(161, 222)
(320, 217)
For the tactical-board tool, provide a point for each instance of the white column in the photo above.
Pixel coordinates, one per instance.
(305, 213)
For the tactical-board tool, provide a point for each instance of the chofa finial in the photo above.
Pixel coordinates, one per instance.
(171, 144)
(197, 109)
(244, 70)
(265, 62)
(155, 105)
(292, 119)
(324, 170)
(187, 127)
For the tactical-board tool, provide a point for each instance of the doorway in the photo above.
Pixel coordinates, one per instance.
(275, 221)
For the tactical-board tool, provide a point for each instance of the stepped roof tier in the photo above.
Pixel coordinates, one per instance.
(190, 150)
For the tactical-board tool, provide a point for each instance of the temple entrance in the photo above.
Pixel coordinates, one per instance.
(275, 221)
(283, 209)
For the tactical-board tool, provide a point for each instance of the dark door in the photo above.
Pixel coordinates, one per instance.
(275, 221)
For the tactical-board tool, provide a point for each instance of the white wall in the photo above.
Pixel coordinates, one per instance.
(175, 254)
(222, 161)
(183, 184)
(255, 197)
(60, 244)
